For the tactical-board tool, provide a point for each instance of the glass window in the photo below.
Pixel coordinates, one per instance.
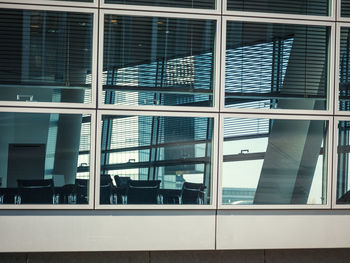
(45, 56)
(158, 61)
(343, 178)
(274, 161)
(276, 66)
(156, 160)
(44, 158)
(297, 7)
(344, 69)
(90, 1)
(345, 8)
(202, 4)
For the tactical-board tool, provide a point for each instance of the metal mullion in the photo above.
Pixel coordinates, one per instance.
(93, 12)
(166, 15)
(329, 111)
(93, 4)
(162, 9)
(159, 207)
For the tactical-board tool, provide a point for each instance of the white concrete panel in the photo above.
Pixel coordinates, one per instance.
(45, 231)
(282, 229)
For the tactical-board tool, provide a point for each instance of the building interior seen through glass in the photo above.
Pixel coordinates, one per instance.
(44, 158)
(45, 56)
(156, 160)
(158, 61)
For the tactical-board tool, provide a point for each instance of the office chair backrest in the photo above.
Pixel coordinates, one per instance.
(36, 191)
(121, 181)
(143, 192)
(81, 189)
(192, 193)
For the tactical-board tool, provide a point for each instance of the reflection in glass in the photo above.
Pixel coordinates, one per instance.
(203, 4)
(274, 161)
(276, 66)
(156, 160)
(344, 69)
(158, 61)
(44, 158)
(298, 7)
(343, 179)
(45, 56)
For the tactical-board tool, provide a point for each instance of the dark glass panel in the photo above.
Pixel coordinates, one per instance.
(202, 4)
(297, 7)
(45, 56)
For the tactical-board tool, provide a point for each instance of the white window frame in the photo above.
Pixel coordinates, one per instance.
(216, 74)
(90, 105)
(91, 159)
(211, 206)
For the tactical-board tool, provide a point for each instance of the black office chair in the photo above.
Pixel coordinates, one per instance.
(192, 193)
(7, 195)
(143, 192)
(36, 192)
(107, 190)
(81, 187)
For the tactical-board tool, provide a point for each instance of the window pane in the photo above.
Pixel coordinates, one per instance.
(343, 183)
(345, 8)
(45, 56)
(74, 0)
(298, 7)
(274, 161)
(278, 66)
(203, 4)
(344, 71)
(44, 158)
(156, 160)
(158, 61)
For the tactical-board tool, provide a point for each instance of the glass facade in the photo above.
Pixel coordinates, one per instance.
(196, 105)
